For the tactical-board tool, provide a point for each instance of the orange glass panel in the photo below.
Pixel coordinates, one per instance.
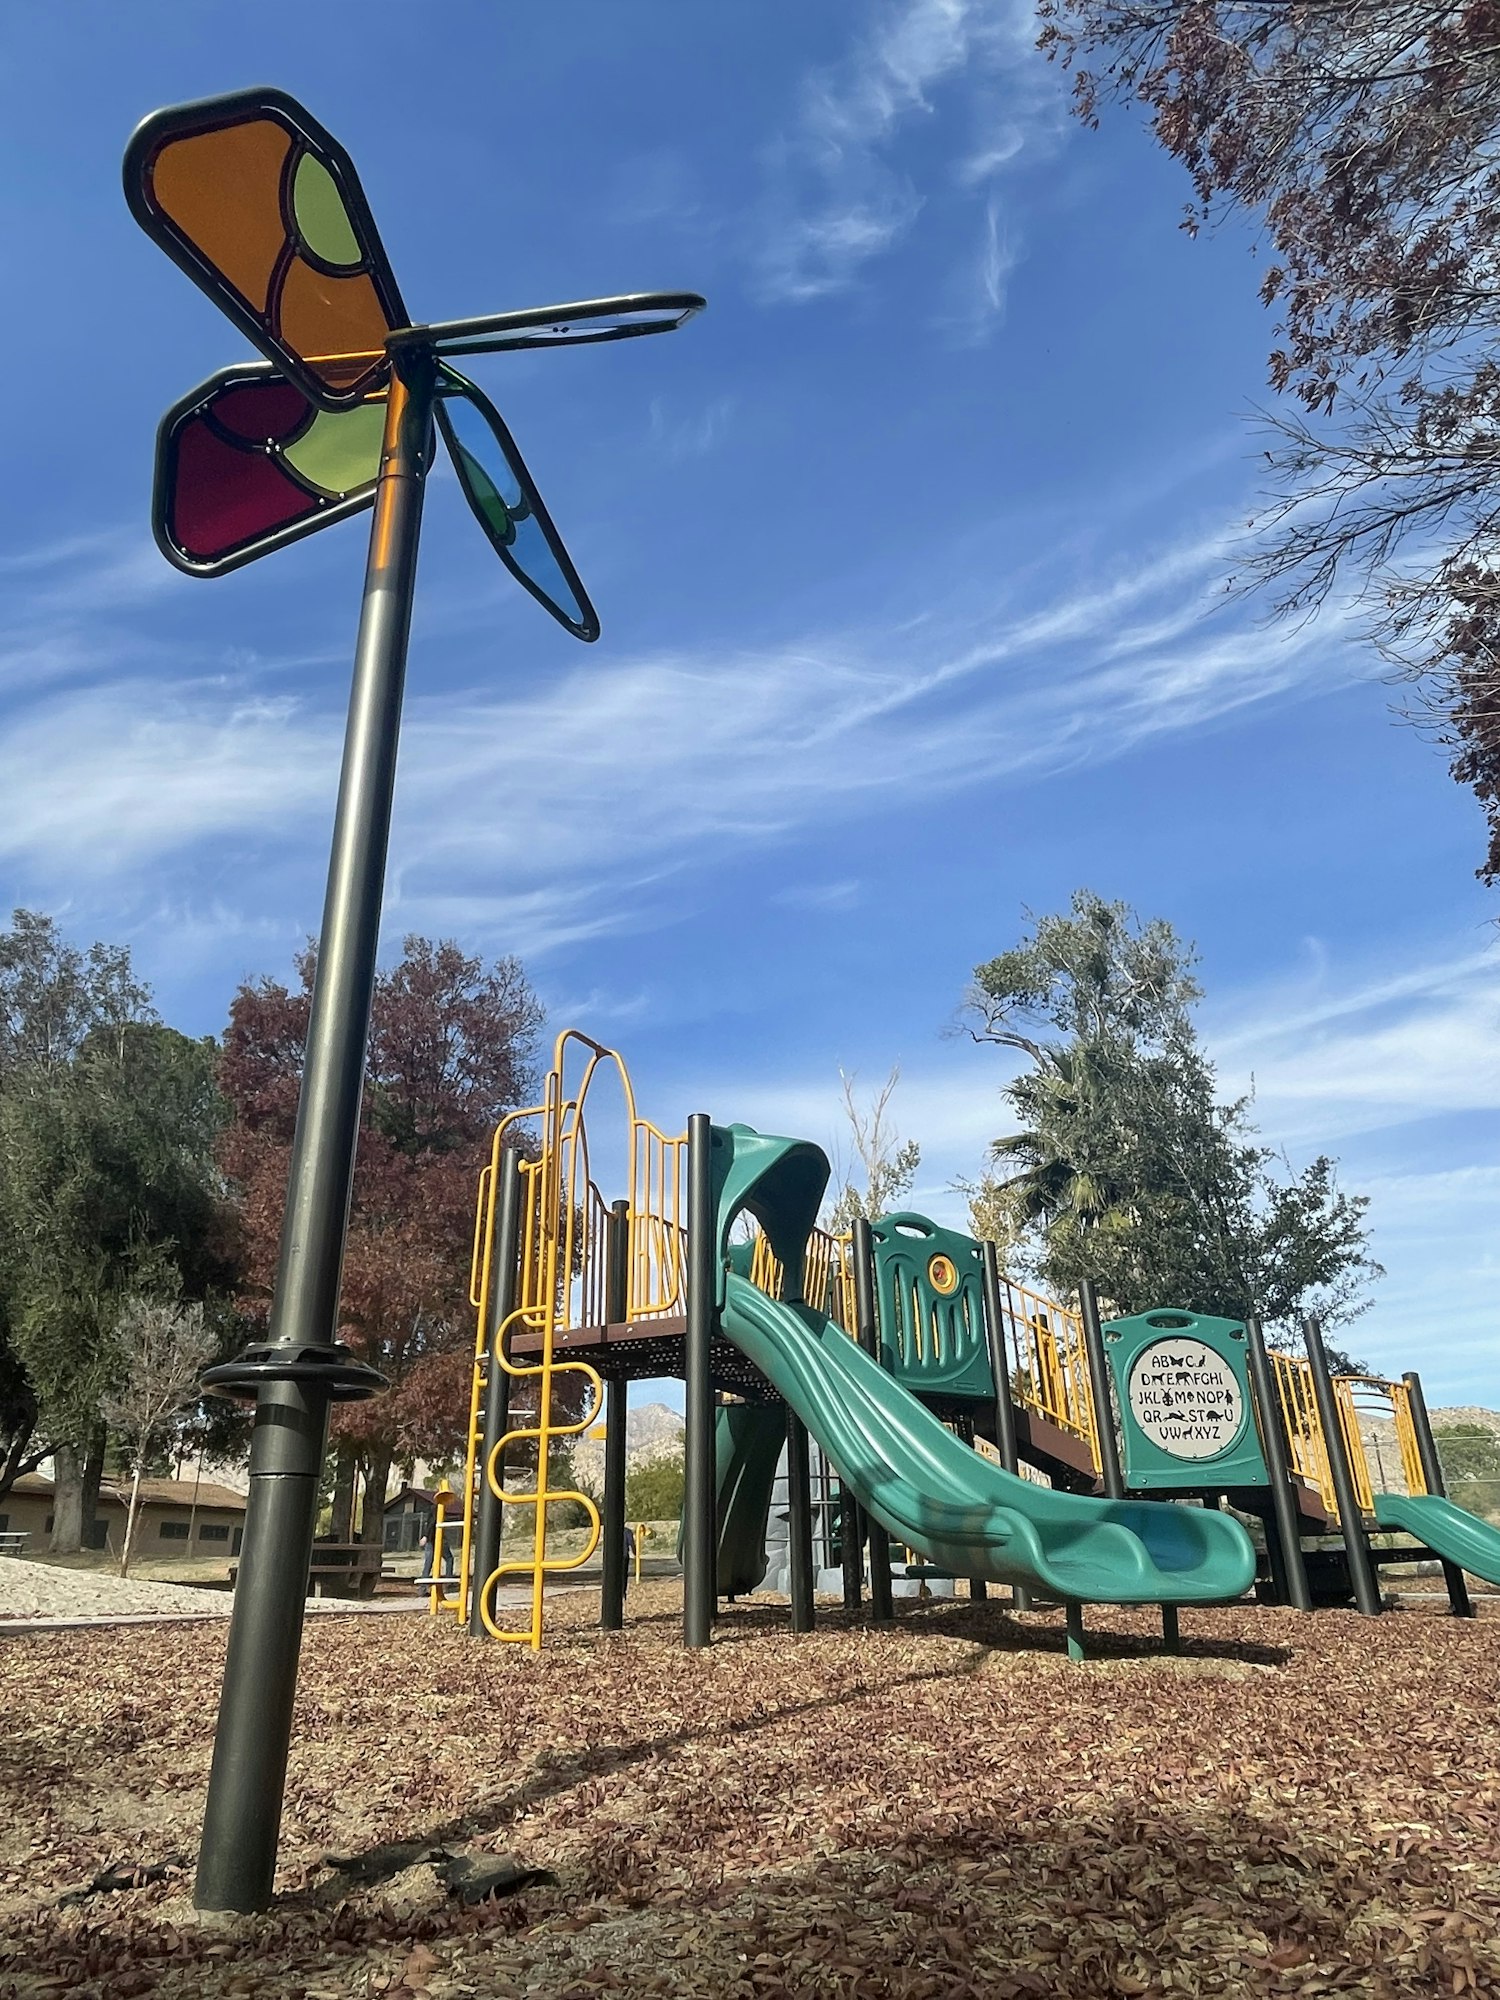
(223, 191)
(322, 315)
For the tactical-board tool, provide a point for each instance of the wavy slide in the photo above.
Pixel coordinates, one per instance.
(965, 1515)
(1447, 1530)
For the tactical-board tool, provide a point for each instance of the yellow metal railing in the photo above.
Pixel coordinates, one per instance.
(1050, 1365)
(1362, 1397)
(827, 1275)
(1356, 1398)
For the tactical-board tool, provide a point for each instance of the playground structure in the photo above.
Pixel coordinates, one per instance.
(967, 1420)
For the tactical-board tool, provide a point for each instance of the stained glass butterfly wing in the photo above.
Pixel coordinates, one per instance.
(262, 208)
(245, 464)
(503, 498)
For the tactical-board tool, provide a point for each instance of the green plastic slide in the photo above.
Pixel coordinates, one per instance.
(1462, 1537)
(962, 1513)
(748, 1442)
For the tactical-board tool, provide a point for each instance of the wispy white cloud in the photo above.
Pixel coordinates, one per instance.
(839, 195)
(819, 896)
(1330, 1058)
(690, 434)
(745, 748)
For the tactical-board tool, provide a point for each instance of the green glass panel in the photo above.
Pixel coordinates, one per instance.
(322, 219)
(496, 514)
(341, 448)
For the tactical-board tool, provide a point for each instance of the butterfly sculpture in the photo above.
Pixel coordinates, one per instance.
(262, 208)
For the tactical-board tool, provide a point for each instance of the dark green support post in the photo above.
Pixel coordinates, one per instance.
(1351, 1523)
(301, 1368)
(867, 1330)
(1005, 1412)
(1171, 1629)
(799, 1523)
(851, 1547)
(1432, 1472)
(1098, 1367)
(500, 1303)
(1073, 1620)
(699, 1537)
(1285, 1524)
(613, 1580)
(978, 1590)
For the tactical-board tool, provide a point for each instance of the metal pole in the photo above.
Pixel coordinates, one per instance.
(1005, 1410)
(1361, 1570)
(1432, 1472)
(616, 1309)
(1286, 1524)
(851, 1546)
(1098, 1365)
(503, 1290)
(868, 1331)
(302, 1369)
(799, 1524)
(978, 1589)
(699, 1581)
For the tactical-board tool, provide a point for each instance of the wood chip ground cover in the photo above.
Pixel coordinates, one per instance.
(942, 1807)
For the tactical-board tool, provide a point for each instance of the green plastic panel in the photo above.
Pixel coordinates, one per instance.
(953, 1507)
(1182, 1381)
(929, 1284)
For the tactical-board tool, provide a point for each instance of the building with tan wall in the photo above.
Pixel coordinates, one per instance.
(177, 1517)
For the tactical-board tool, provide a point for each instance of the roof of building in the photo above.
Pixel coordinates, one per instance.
(154, 1492)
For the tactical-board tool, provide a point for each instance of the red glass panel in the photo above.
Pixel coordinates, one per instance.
(261, 410)
(223, 497)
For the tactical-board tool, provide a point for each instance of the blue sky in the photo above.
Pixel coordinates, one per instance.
(909, 556)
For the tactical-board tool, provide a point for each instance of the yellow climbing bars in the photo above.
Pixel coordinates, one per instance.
(561, 1284)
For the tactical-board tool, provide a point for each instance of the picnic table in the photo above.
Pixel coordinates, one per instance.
(340, 1569)
(13, 1541)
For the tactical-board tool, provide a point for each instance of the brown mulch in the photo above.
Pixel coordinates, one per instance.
(944, 1807)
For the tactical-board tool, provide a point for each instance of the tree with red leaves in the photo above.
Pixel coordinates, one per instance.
(452, 1050)
(1364, 136)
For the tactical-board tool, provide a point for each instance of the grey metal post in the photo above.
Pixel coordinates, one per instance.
(799, 1523)
(1005, 1409)
(867, 1329)
(699, 1536)
(302, 1368)
(1432, 1472)
(1285, 1524)
(500, 1303)
(1361, 1569)
(1098, 1365)
(612, 1583)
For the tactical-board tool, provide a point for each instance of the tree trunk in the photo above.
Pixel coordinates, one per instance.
(377, 1478)
(130, 1514)
(67, 1500)
(93, 1474)
(341, 1527)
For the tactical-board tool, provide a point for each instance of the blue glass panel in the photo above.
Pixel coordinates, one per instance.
(506, 504)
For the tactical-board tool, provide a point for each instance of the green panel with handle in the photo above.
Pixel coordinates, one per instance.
(929, 1282)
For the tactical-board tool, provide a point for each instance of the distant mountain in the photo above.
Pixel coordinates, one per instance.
(651, 1431)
